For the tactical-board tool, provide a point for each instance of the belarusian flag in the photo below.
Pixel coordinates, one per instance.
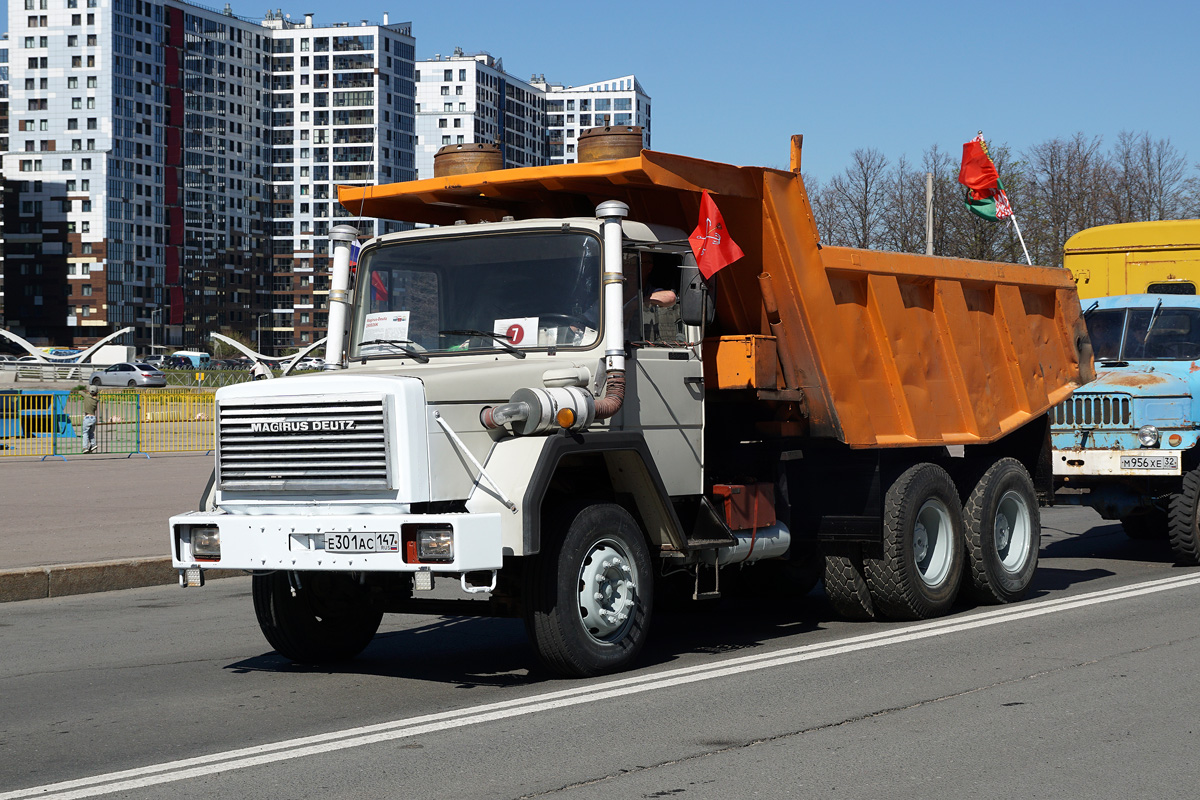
(985, 193)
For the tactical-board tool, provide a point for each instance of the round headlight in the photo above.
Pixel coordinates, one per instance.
(1148, 435)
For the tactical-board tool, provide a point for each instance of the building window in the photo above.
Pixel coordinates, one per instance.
(447, 74)
(442, 122)
(66, 164)
(76, 62)
(72, 41)
(91, 82)
(72, 124)
(76, 102)
(72, 83)
(85, 163)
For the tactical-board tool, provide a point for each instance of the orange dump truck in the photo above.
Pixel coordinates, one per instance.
(541, 399)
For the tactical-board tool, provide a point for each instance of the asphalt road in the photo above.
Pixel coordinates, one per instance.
(1085, 689)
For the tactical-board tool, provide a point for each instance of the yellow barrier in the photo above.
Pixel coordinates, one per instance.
(50, 423)
(176, 422)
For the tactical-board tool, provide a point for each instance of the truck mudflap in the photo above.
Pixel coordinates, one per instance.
(1143, 462)
(347, 542)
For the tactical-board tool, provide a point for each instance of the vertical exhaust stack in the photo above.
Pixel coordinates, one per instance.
(343, 238)
(611, 213)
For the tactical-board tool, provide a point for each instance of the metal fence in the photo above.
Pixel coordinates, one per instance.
(50, 422)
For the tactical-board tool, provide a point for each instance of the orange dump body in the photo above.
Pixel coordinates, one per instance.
(886, 349)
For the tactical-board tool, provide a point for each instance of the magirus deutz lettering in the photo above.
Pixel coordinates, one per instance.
(302, 426)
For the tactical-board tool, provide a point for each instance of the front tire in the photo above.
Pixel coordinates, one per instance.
(920, 570)
(1003, 532)
(315, 617)
(589, 596)
(1184, 526)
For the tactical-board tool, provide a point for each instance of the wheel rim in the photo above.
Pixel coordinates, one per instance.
(933, 542)
(607, 591)
(1013, 531)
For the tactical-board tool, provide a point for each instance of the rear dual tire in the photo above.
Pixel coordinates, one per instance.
(918, 574)
(1003, 532)
(931, 540)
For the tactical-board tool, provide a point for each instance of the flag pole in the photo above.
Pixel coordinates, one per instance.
(1028, 260)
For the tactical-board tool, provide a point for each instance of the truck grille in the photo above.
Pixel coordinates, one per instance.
(303, 443)
(1094, 410)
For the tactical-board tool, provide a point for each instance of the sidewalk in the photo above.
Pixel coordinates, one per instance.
(92, 523)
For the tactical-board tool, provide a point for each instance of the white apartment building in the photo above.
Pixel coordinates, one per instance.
(174, 167)
(342, 113)
(573, 109)
(465, 99)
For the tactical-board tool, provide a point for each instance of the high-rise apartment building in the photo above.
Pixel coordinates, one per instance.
(173, 167)
(573, 109)
(464, 99)
(342, 113)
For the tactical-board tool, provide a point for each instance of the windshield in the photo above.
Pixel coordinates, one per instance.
(1145, 334)
(472, 293)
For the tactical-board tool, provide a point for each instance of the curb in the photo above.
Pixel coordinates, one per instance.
(62, 580)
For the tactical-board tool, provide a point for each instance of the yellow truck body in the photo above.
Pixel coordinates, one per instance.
(1135, 258)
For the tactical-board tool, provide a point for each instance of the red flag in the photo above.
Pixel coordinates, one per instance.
(712, 245)
(978, 173)
(985, 193)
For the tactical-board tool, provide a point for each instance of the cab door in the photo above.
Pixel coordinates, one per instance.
(664, 391)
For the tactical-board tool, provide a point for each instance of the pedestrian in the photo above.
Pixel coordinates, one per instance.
(261, 371)
(91, 404)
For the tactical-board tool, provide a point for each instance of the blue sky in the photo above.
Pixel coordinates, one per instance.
(732, 81)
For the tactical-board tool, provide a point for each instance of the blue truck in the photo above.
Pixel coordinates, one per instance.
(1125, 444)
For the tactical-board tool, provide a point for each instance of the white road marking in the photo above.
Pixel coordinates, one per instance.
(169, 772)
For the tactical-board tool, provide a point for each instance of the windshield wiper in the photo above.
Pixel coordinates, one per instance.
(1154, 316)
(1091, 308)
(496, 337)
(399, 345)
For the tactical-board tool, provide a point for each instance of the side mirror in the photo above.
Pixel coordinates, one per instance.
(697, 301)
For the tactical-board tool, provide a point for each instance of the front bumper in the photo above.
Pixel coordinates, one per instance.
(295, 542)
(1143, 462)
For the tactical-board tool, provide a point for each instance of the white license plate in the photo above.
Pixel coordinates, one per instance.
(1150, 462)
(362, 542)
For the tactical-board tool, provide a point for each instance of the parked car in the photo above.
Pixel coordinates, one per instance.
(154, 360)
(128, 374)
(4, 357)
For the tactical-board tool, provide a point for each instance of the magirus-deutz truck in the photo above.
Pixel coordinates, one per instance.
(539, 398)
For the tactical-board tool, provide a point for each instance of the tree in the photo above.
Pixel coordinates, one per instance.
(859, 195)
